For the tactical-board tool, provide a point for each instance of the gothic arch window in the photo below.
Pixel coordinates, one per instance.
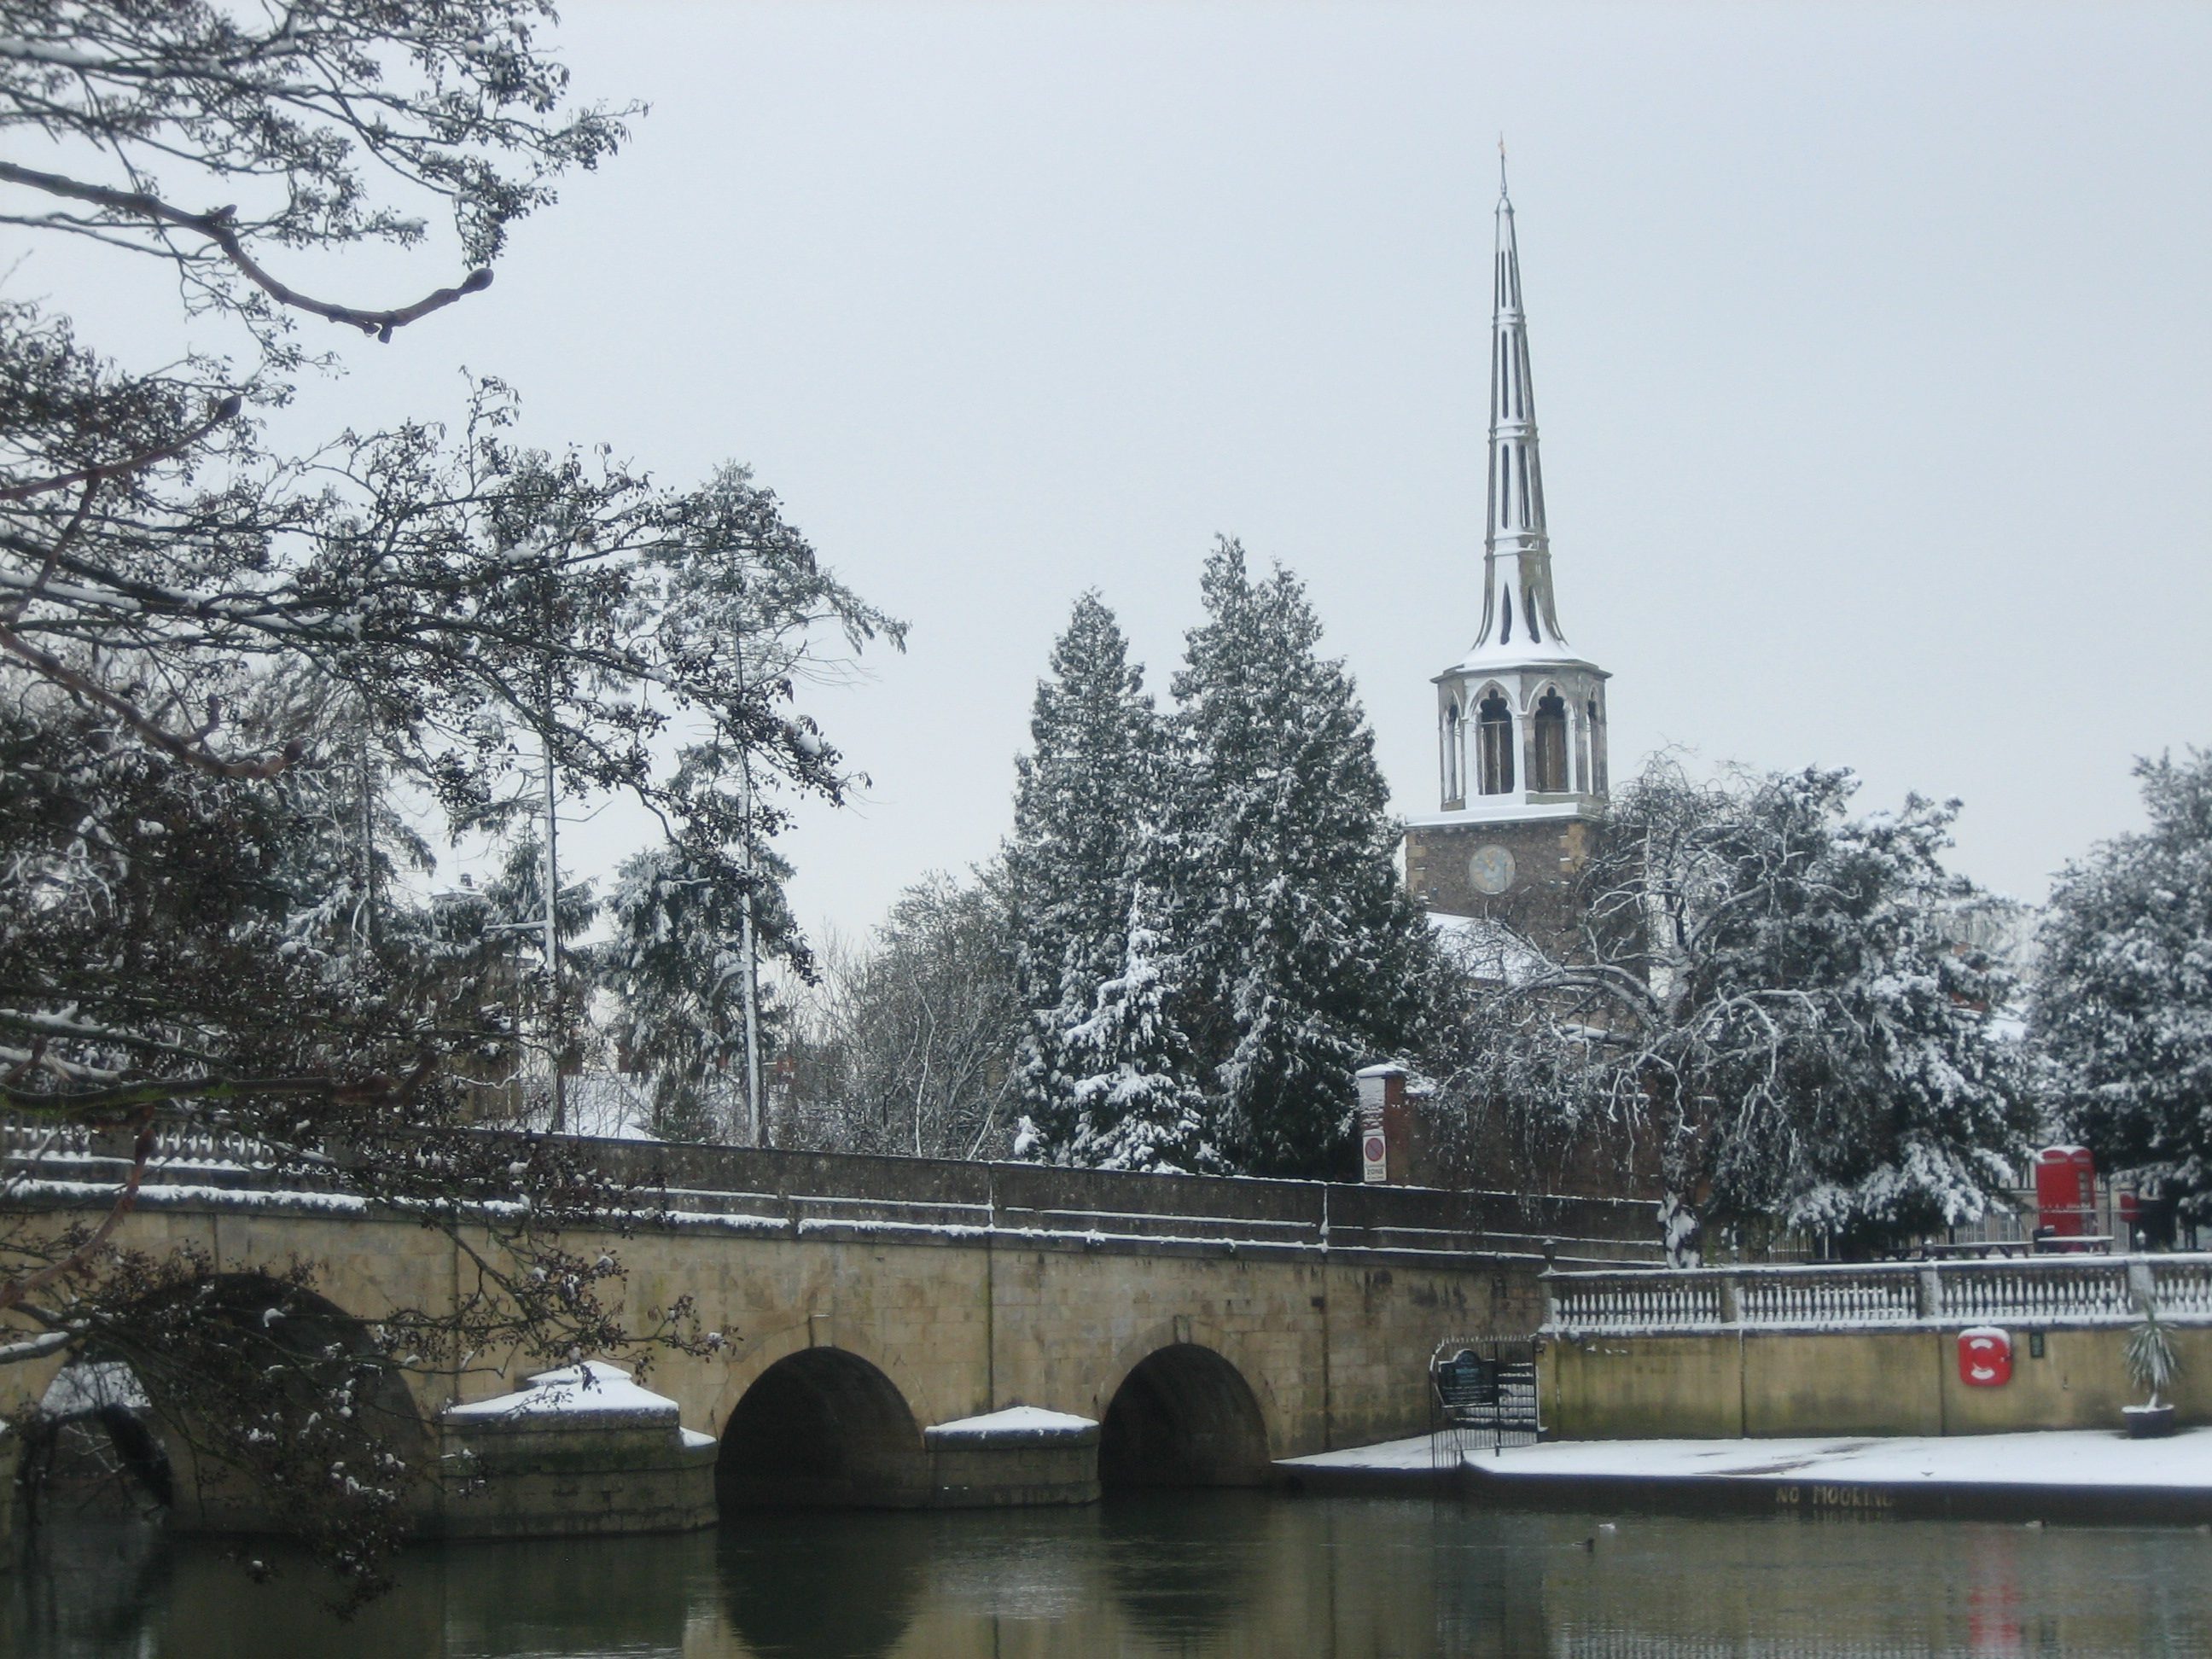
(1594, 719)
(1548, 760)
(1454, 787)
(1585, 728)
(1494, 724)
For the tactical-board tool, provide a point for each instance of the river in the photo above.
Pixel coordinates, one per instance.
(1180, 1574)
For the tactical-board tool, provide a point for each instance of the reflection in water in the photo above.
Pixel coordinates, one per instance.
(1184, 1567)
(818, 1582)
(1221, 1575)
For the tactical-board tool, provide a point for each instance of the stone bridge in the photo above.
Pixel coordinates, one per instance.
(1199, 1327)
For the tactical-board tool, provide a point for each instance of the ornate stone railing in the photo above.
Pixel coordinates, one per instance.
(2048, 1289)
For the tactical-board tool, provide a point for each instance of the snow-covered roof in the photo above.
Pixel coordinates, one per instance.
(1501, 659)
(594, 1387)
(1485, 949)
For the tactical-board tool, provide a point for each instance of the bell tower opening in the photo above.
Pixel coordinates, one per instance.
(1547, 770)
(1495, 722)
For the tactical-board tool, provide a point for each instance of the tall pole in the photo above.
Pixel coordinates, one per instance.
(560, 1119)
(372, 922)
(751, 944)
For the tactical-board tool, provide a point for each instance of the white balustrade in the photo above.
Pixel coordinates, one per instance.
(2063, 1288)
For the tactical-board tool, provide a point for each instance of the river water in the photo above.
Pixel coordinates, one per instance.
(1179, 1574)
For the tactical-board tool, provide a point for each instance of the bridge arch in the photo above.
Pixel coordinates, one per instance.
(210, 1386)
(821, 1428)
(1183, 1416)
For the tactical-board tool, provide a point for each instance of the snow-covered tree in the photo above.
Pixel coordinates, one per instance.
(1129, 1066)
(676, 968)
(1087, 808)
(1771, 994)
(2122, 1010)
(191, 920)
(1304, 959)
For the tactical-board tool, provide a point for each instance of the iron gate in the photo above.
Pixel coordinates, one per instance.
(1482, 1396)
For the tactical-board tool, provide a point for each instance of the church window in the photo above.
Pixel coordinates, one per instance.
(1547, 770)
(1494, 721)
(1521, 463)
(1505, 636)
(1528, 618)
(1596, 721)
(1453, 787)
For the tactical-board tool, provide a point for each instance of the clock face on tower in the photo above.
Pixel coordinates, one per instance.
(1490, 869)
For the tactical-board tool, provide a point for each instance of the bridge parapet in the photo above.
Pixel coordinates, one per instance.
(853, 1196)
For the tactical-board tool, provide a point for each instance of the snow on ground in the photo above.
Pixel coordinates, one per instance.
(1413, 1454)
(2069, 1457)
(594, 1386)
(1033, 1420)
(2076, 1457)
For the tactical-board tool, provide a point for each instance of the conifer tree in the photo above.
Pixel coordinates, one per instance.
(675, 969)
(1137, 1104)
(1305, 955)
(1083, 799)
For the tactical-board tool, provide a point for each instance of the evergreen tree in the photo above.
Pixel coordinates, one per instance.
(676, 967)
(1136, 1105)
(1084, 799)
(1304, 954)
(2121, 1011)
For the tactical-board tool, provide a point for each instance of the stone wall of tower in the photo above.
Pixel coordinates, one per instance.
(1548, 855)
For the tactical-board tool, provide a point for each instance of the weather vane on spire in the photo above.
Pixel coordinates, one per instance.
(1501, 164)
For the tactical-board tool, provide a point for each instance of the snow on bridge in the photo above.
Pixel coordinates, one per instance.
(1208, 1326)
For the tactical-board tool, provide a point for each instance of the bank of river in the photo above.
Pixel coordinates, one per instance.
(1227, 1574)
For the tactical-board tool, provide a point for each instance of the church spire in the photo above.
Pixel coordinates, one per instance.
(1517, 608)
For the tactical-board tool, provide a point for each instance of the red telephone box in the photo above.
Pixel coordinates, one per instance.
(1984, 1357)
(2066, 1191)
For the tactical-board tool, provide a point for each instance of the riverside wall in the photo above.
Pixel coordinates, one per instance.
(1864, 1350)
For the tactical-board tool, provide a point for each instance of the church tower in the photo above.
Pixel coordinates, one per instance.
(1521, 722)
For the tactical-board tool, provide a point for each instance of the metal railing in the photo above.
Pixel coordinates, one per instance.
(2073, 1290)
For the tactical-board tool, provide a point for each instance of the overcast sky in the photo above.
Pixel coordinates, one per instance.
(1872, 347)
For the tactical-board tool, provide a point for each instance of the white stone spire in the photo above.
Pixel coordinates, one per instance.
(1518, 613)
(1520, 721)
